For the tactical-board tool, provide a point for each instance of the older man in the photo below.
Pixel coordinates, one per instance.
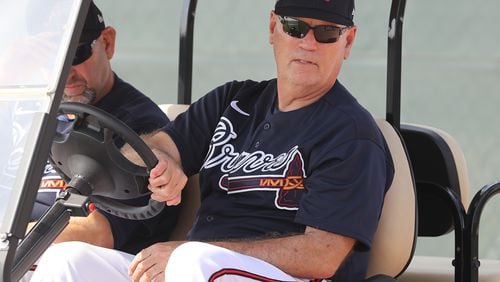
(292, 170)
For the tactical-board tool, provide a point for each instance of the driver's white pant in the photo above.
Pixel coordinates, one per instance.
(192, 261)
(78, 261)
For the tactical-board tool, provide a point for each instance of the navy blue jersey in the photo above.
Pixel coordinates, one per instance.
(269, 173)
(143, 116)
(132, 107)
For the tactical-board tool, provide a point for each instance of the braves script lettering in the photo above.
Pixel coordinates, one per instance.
(283, 174)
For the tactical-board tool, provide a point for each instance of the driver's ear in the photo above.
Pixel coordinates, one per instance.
(272, 26)
(109, 39)
(350, 37)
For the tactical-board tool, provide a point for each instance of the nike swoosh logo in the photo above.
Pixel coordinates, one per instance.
(234, 105)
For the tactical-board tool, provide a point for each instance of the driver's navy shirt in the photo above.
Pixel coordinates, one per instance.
(266, 173)
(142, 115)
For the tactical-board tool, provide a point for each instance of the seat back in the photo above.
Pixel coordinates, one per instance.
(191, 193)
(394, 242)
(438, 163)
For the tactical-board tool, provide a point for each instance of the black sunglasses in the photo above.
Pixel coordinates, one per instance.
(83, 52)
(323, 33)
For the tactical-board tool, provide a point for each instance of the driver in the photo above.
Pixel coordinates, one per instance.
(92, 80)
(293, 171)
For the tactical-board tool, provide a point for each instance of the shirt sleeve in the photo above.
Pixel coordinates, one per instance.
(192, 130)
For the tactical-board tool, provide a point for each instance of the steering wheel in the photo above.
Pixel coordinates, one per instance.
(85, 153)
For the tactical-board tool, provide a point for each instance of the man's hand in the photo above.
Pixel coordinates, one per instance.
(149, 264)
(166, 180)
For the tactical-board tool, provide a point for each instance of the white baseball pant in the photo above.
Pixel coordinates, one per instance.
(192, 261)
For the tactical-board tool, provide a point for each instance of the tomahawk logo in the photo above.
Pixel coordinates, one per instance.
(283, 174)
(288, 187)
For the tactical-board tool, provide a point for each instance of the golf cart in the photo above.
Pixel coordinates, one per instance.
(424, 191)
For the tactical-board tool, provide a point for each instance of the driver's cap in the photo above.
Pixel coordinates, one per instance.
(94, 24)
(335, 11)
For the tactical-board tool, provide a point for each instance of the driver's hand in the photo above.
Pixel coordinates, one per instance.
(149, 264)
(166, 180)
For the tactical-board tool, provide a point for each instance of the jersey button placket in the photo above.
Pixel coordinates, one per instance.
(266, 127)
(209, 218)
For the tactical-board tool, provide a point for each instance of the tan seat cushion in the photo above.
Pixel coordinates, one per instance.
(393, 244)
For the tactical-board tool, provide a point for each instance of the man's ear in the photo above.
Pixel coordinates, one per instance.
(109, 39)
(272, 26)
(350, 37)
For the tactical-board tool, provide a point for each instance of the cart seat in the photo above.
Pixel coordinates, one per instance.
(439, 164)
(394, 241)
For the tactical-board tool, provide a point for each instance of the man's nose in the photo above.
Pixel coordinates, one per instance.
(309, 42)
(71, 74)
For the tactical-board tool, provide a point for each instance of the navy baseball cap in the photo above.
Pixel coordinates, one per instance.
(94, 24)
(335, 11)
